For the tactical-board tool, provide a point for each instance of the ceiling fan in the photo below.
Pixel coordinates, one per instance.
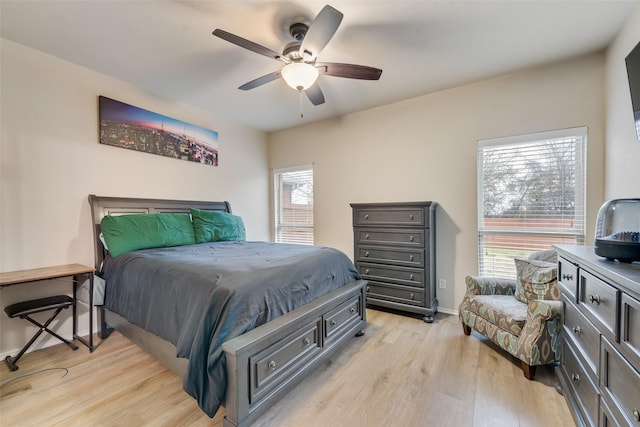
(301, 69)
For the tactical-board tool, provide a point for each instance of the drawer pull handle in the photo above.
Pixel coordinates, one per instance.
(576, 330)
(306, 341)
(410, 257)
(366, 271)
(272, 365)
(411, 239)
(368, 288)
(411, 295)
(353, 309)
(411, 276)
(594, 298)
(567, 276)
(366, 253)
(636, 415)
(366, 236)
(366, 216)
(333, 323)
(575, 378)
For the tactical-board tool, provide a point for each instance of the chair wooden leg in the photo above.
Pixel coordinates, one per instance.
(529, 371)
(466, 329)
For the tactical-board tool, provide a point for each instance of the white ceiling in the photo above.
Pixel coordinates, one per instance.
(166, 47)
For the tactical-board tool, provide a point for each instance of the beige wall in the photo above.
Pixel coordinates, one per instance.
(420, 149)
(623, 148)
(51, 161)
(425, 149)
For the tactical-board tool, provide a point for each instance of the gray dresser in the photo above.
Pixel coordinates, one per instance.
(395, 252)
(600, 365)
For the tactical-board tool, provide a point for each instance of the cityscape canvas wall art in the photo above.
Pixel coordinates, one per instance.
(123, 125)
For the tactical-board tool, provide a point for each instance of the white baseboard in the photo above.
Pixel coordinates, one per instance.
(447, 311)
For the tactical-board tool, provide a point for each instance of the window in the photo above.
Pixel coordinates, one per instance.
(293, 192)
(531, 195)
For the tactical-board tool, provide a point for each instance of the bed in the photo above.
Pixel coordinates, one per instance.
(243, 330)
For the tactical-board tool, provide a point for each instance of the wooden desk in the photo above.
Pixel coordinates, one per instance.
(75, 271)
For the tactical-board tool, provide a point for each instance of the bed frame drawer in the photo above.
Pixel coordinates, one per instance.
(252, 390)
(343, 316)
(391, 236)
(401, 275)
(272, 366)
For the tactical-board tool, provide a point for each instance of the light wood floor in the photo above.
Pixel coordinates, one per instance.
(403, 372)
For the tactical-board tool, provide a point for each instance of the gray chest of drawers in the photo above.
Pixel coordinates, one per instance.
(395, 252)
(600, 365)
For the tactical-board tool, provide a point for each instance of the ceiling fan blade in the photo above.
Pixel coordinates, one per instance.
(315, 95)
(260, 81)
(247, 44)
(349, 71)
(323, 27)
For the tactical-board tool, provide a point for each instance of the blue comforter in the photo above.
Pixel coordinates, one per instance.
(199, 296)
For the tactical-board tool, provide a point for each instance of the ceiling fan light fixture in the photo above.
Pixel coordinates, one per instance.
(299, 75)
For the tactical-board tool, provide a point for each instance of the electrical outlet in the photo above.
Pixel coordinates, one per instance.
(442, 284)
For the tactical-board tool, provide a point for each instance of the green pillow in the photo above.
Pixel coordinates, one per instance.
(126, 233)
(214, 226)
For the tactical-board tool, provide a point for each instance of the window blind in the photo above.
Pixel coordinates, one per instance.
(293, 203)
(531, 195)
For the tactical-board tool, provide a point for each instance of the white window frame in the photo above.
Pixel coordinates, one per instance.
(538, 232)
(297, 226)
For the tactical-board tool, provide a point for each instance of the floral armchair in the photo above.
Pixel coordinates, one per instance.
(521, 316)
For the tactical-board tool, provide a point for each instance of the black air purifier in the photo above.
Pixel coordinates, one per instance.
(618, 230)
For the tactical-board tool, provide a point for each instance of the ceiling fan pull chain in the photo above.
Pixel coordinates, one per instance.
(301, 104)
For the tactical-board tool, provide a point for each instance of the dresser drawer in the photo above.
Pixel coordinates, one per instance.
(395, 293)
(345, 315)
(609, 417)
(568, 278)
(273, 365)
(400, 275)
(620, 383)
(388, 255)
(390, 216)
(581, 385)
(599, 300)
(391, 236)
(580, 331)
(630, 329)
